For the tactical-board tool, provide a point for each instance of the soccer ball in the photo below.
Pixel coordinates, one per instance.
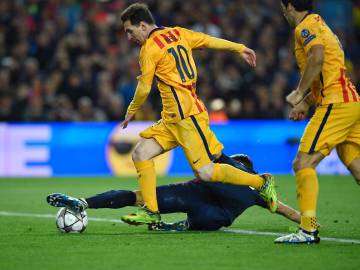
(69, 221)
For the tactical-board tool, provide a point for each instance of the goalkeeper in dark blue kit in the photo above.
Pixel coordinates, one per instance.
(208, 205)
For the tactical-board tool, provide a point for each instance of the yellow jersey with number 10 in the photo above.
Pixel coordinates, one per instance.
(167, 56)
(332, 85)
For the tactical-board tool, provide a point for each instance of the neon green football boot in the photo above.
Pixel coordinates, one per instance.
(268, 192)
(142, 216)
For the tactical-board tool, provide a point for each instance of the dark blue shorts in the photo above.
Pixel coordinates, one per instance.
(209, 205)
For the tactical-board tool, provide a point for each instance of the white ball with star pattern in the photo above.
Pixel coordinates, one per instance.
(69, 221)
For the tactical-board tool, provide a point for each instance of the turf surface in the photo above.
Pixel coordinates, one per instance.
(34, 243)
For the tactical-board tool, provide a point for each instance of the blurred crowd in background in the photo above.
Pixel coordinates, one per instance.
(68, 60)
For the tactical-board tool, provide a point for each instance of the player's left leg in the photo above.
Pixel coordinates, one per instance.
(349, 152)
(63, 200)
(113, 199)
(201, 150)
(110, 199)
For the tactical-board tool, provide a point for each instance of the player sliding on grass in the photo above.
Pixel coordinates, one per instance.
(209, 206)
(336, 122)
(166, 55)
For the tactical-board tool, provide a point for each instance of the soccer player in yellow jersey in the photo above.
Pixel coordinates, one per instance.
(166, 55)
(336, 122)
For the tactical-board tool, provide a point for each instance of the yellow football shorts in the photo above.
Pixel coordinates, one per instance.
(192, 134)
(335, 125)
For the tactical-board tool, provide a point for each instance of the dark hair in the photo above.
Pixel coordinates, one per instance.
(137, 13)
(244, 160)
(300, 5)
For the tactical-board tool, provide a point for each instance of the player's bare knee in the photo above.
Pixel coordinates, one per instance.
(141, 152)
(300, 163)
(203, 175)
(296, 165)
(205, 172)
(136, 155)
(145, 150)
(304, 160)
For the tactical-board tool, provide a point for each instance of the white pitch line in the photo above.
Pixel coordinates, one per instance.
(339, 240)
(239, 231)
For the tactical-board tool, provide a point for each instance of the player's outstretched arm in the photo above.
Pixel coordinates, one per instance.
(288, 212)
(200, 40)
(221, 44)
(285, 210)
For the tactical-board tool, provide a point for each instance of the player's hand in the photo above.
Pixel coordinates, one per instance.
(295, 97)
(299, 112)
(249, 56)
(295, 116)
(126, 121)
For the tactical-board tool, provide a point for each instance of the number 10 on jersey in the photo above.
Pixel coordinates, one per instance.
(182, 61)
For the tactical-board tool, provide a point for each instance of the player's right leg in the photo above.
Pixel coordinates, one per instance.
(143, 155)
(330, 126)
(354, 168)
(155, 140)
(307, 194)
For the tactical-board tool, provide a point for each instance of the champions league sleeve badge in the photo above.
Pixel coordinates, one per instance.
(305, 33)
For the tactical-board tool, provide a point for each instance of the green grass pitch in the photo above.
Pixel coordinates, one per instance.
(29, 242)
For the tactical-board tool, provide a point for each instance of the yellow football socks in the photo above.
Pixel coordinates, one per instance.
(147, 182)
(307, 193)
(229, 174)
(309, 223)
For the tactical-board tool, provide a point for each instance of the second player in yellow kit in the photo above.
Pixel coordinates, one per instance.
(166, 55)
(336, 121)
(334, 94)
